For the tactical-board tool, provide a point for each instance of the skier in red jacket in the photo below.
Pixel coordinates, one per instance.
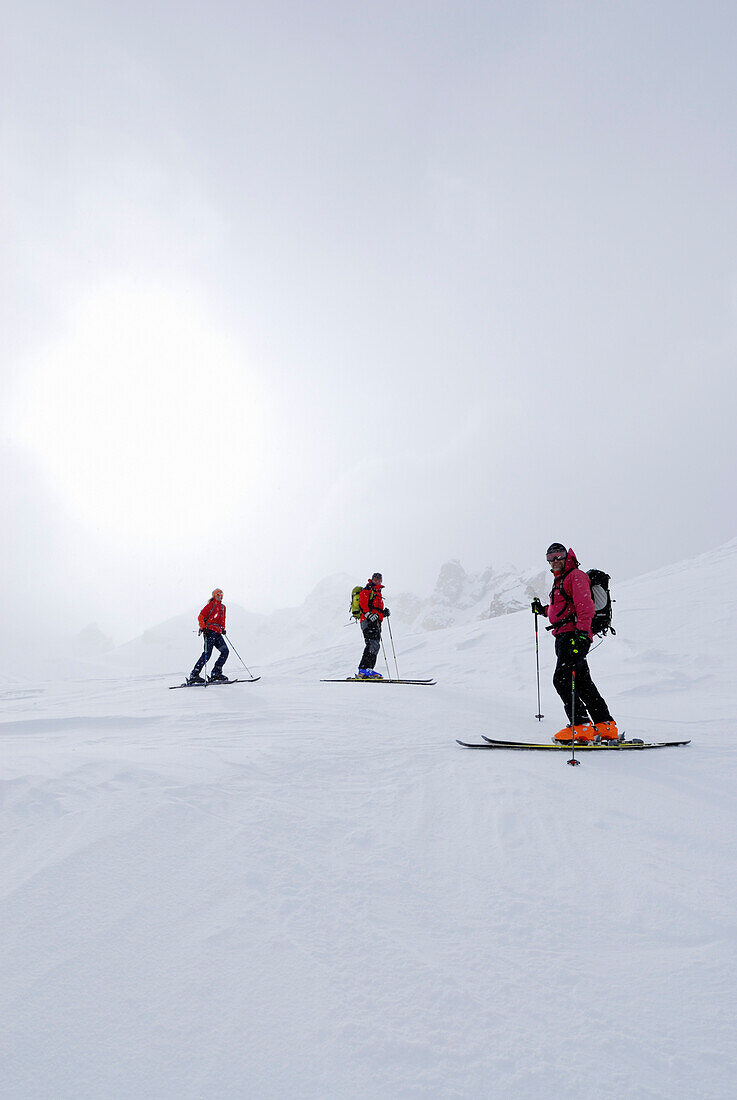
(212, 625)
(373, 614)
(571, 610)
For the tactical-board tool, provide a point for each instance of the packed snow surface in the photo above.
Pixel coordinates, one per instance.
(300, 889)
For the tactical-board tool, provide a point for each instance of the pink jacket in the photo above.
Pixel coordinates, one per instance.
(573, 607)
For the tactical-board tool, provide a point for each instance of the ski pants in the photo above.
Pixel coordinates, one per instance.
(589, 703)
(372, 638)
(212, 638)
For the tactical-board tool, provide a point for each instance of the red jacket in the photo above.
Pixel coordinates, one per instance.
(212, 616)
(571, 605)
(370, 600)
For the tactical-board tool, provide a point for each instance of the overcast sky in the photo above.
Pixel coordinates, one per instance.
(294, 288)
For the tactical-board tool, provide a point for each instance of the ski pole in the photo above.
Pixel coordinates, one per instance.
(240, 658)
(204, 653)
(386, 662)
(573, 719)
(539, 716)
(391, 638)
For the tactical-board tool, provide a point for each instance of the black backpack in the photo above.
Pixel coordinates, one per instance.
(602, 597)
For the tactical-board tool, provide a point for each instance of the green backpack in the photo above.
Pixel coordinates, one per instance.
(355, 609)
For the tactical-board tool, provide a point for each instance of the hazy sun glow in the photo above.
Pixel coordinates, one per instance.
(144, 415)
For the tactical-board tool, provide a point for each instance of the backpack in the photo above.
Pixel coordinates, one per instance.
(602, 597)
(354, 608)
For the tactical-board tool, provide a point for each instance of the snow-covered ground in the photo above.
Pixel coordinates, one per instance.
(298, 889)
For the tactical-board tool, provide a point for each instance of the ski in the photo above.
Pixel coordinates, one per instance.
(213, 683)
(586, 746)
(363, 680)
(634, 743)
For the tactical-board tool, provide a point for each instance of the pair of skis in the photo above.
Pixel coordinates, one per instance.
(213, 683)
(561, 746)
(377, 680)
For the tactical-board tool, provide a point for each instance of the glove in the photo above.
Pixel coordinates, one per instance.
(223, 633)
(580, 643)
(199, 631)
(373, 617)
(386, 612)
(537, 607)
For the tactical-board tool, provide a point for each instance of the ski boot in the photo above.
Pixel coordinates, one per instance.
(219, 678)
(582, 734)
(195, 678)
(606, 730)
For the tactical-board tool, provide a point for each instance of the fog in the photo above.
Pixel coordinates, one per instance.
(294, 289)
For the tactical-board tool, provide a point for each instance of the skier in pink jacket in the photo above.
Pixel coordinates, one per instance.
(571, 610)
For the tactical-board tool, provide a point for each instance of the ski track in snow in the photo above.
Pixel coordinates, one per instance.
(296, 889)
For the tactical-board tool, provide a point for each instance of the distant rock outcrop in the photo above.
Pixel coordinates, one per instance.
(460, 597)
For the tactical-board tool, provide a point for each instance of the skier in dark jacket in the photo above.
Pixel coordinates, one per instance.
(373, 614)
(571, 611)
(212, 625)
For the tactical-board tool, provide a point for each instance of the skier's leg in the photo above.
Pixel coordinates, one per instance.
(374, 644)
(590, 696)
(222, 645)
(363, 624)
(372, 637)
(366, 656)
(562, 679)
(205, 655)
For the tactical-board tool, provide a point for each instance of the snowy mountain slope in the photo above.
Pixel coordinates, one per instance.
(302, 889)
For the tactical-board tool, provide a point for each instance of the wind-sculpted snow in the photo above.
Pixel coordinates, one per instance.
(295, 889)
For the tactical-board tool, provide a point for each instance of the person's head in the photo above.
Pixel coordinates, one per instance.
(217, 593)
(556, 555)
(377, 580)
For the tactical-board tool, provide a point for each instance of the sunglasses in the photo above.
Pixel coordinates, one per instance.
(559, 556)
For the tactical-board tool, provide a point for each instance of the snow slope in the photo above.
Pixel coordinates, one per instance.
(458, 598)
(298, 889)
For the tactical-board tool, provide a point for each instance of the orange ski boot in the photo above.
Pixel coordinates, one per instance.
(582, 734)
(606, 731)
